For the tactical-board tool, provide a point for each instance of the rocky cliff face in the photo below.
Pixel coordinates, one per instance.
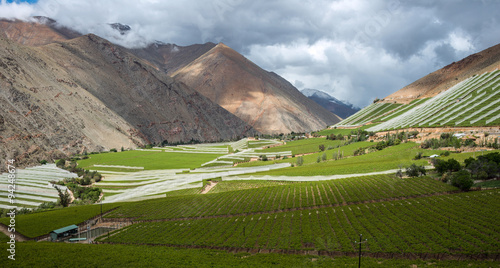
(88, 94)
(262, 99)
(432, 84)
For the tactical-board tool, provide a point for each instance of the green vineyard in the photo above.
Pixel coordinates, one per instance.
(472, 102)
(291, 196)
(437, 224)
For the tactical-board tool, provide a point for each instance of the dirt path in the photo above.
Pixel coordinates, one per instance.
(209, 187)
(19, 237)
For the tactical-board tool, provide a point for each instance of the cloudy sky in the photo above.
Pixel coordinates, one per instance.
(356, 50)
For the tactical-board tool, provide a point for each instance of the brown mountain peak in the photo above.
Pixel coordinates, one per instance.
(262, 99)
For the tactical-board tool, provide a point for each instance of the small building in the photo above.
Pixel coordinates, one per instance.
(63, 232)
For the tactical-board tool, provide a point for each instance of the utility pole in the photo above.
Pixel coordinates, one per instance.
(360, 242)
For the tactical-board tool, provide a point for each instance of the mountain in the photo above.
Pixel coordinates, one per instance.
(462, 94)
(170, 57)
(86, 94)
(330, 103)
(40, 31)
(442, 79)
(263, 99)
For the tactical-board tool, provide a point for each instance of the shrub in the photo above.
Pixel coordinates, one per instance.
(462, 179)
(321, 147)
(399, 173)
(453, 165)
(323, 157)
(263, 157)
(319, 159)
(300, 161)
(113, 150)
(418, 156)
(43, 162)
(61, 163)
(415, 171)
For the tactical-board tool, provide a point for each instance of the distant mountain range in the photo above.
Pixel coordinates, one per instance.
(63, 92)
(330, 103)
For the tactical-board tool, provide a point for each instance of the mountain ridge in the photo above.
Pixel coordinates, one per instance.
(262, 99)
(330, 103)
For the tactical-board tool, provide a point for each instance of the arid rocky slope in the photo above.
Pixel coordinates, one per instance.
(39, 32)
(170, 57)
(88, 94)
(432, 84)
(262, 99)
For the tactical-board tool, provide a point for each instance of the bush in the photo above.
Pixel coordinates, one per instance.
(43, 162)
(263, 157)
(323, 157)
(300, 161)
(113, 150)
(462, 179)
(321, 147)
(418, 156)
(61, 163)
(415, 171)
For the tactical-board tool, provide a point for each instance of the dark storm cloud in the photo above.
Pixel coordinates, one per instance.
(354, 49)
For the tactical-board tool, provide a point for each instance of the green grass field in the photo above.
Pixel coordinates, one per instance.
(389, 158)
(41, 223)
(302, 146)
(343, 131)
(147, 159)
(347, 150)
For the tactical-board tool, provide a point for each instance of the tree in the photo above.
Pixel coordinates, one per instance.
(321, 147)
(300, 161)
(64, 198)
(61, 163)
(453, 165)
(441, 166)
(415, 171)
(462, 179)
(399, 173)
(323, 157)
(263, 157)
(319, 159)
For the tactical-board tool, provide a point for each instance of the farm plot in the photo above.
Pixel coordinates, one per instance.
(105, 255)
(370, 113)
(303, 146)
(33, 186)
(288, 196)
(155, 183)
(472, 102)
(147, 160)
(41, 223)
(451, 224)
(387, 159)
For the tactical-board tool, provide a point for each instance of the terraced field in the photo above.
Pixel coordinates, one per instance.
(388, 159)
(33, 186)
(472, 102)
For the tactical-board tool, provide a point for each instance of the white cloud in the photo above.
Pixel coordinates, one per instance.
(355, 49)
(15, 10)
